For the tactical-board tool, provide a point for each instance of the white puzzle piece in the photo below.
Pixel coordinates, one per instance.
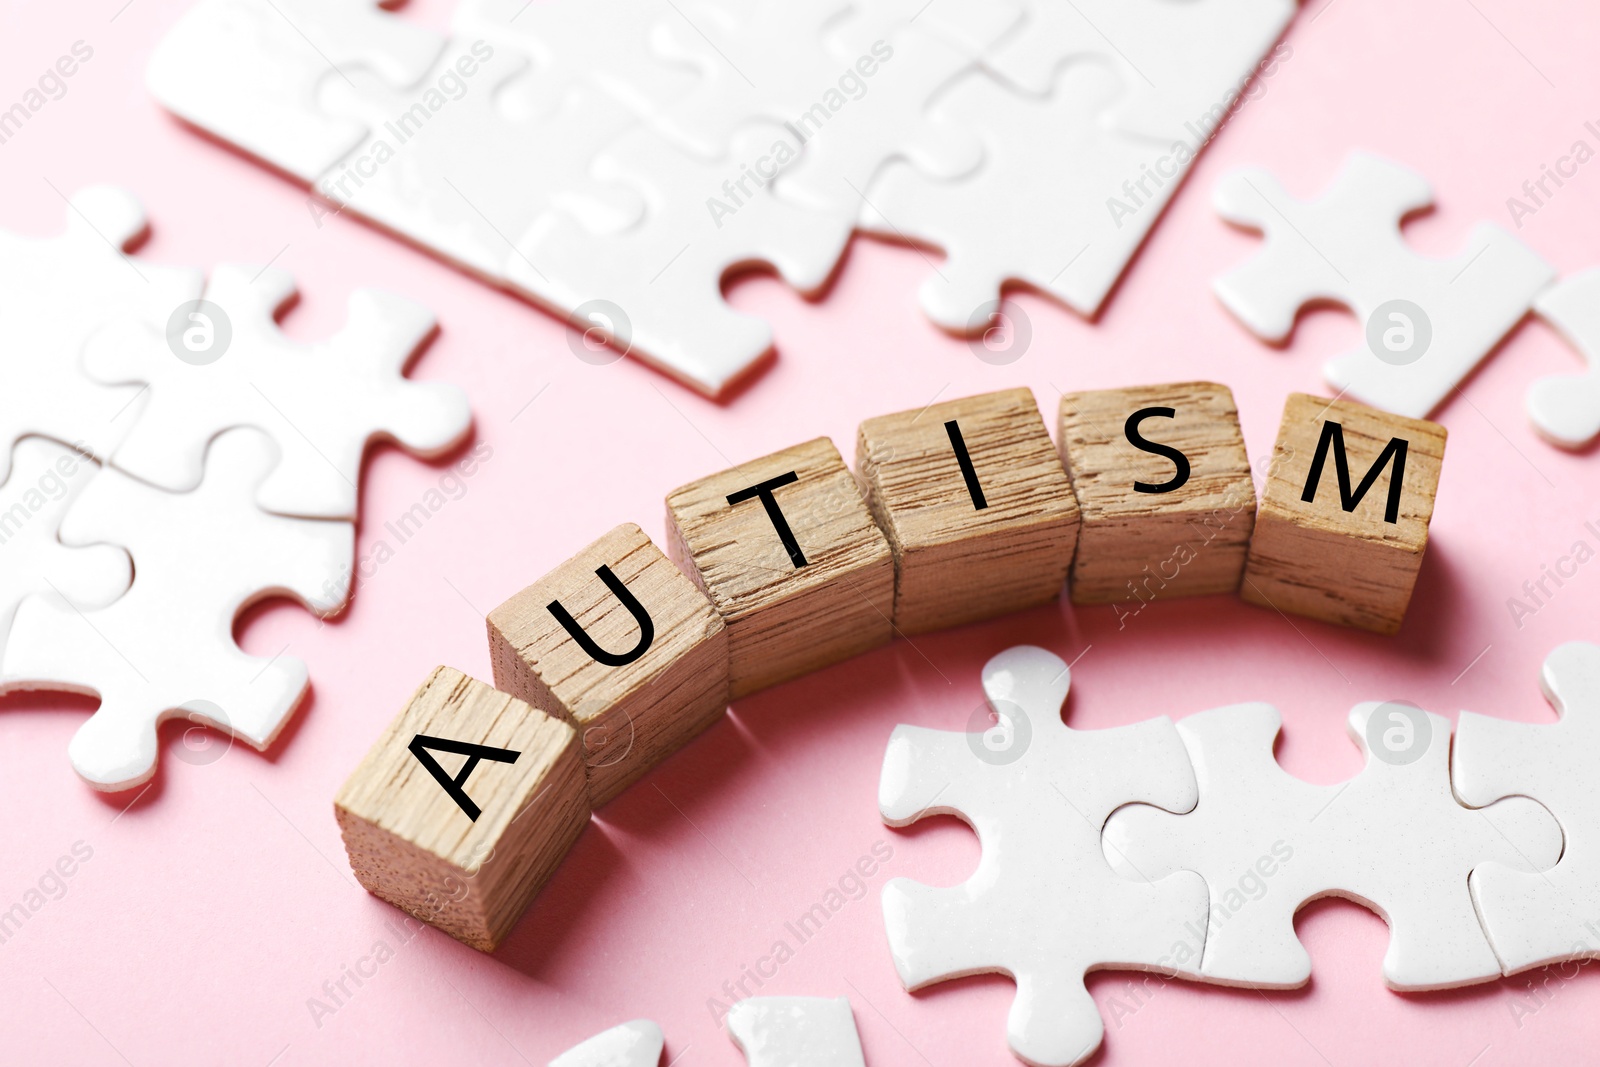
(1038, 210)
(574, 42)
(249, 70)
(56, 292)
(1565, 409)
(1043, 906)
(45, 479)
(844, 149)
(795, 1032)
(321, 403)
(665, 275)
(631, 1044)
(1184, 62)
(1535, 919)
(1433, 320)
(1393, 838)
(166, 647)
(459, 174)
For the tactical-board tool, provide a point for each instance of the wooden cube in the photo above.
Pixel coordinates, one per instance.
(464, 807)
(619, 643)
(977, 509)
(1344, 516)
(787, 551)
(1164, 485)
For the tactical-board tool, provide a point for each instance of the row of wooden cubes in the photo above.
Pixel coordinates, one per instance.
(957, 512)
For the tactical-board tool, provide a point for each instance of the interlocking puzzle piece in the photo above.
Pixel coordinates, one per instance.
(1535, 919)
(1393, 838)
(58, 291)
(321, 403)
(46, 478)
(1043, 906)
(1428, 322)
(1565, 409)
(166, 647)
(464, 175)
(632, 1044)
(581, 41)
(795, 1032)
(660, 283)
(1037, 211)
(1184, 63)
(248, 71)
(848, 139)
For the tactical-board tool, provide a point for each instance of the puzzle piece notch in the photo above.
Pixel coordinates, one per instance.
(990, 224)
(45, 480)
(248, 71)
(166, 647)
(467, 174)
(1184, 63)
(1565, 408)
(59, 290)
(322, 403)
(1043, 905)
(660, 283)
(1393, 839)
(1536, 919)
(795, 1032)
(631, 1044)
(1346, 247)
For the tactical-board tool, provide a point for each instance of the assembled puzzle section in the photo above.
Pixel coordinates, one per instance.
(977, 510)
(788, 552)
(619, 643)
(1165, 491)
(464, 807)
(1343, 522)
(1394, 838)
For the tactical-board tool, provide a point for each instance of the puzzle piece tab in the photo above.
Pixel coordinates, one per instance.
(166, 647)
(795, 1032)
(57, 292)
(1427, 322)
(1043, 906)
(631, 1044)
(46, 478)
(1393, 838)
(321, 403)
(1566, 408)
(1539, 918)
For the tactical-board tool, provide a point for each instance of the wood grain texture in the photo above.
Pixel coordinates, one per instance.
(956, 562)
(410, 843)
(1143, 546)
(784, 621)
(629, 717)
(1314, 558)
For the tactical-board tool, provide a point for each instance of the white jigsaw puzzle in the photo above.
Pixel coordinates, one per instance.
(631, 1044)
(249, 72)
(795, 1032)
(45, 479)
(1535, 919)
(1393, 838)
(1043, 906)
(166, 647)
(58, 291)
(321, 403)
(1427, 322)
(1565, 409)
(530, 176)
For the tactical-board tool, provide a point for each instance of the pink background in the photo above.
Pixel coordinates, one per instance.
(217, 903)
